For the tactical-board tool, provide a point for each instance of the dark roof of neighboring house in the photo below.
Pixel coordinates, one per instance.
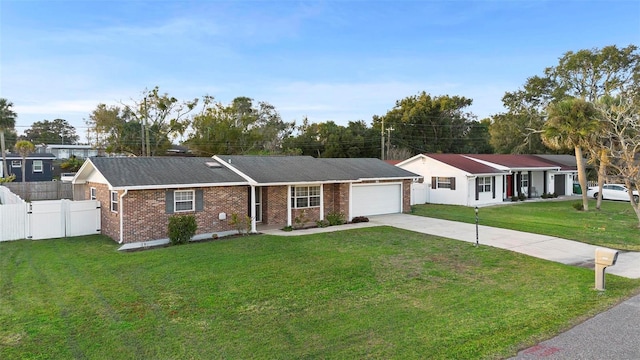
(566, 162)
(465, 164)
(514, 161)
(295, 169)
(34, 156)
(149, 171)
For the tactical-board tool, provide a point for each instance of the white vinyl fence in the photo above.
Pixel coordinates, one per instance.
(419, 193)
(49, 219)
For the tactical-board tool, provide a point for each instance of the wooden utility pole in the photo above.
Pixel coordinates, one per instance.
(382, 141)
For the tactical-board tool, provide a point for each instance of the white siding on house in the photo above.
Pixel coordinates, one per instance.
(465, 183)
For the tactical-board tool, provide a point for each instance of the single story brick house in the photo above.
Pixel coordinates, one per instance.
(140, 194)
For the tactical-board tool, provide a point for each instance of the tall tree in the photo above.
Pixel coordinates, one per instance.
(238, 128)
(429, 124)
(115, 131)
(328, 139)
(306, 141)
(586, 74)
(7, 122)
(571, 125)
(515, 133)
(478, 139)
(162, 118)
(58, 131)
(621, 118)
(24, 148)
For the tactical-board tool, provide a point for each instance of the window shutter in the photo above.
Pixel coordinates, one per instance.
(453, 183)
(434, 182)
(493, 186)
(199, 200)
(168, 201)
(477, 188)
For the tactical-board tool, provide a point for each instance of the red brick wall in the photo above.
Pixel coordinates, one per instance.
(109, 221)
(406, 196)
(274, 203)
(145, 216)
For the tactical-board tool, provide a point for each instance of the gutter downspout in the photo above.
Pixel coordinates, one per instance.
(121, 214)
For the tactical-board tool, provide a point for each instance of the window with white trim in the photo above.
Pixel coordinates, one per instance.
(444, 183)
(114, 201)
(524, 181)
(92, 193)
(484, 184)
(16, 163)
(184, 200)
(305, 196)
(37, 166)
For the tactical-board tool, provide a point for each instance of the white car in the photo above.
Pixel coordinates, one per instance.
(613, 192)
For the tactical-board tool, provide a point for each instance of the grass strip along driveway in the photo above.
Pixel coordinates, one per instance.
(614, 226)
(364, 293)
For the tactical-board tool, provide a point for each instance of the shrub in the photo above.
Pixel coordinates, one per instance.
(301, 220)
(578, 206)
(7, 179)
(241, 223)
(359, 219)
(182, 228)
(287, 228)
(514, 198)
(322, 223)
(335, 218)
(522, 197)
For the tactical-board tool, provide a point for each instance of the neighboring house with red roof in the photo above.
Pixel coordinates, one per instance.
(482, 179)
(140, 194)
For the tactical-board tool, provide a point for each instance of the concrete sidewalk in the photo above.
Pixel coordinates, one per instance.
(564, 251)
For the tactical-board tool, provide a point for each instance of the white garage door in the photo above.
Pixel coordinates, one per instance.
(376, 199)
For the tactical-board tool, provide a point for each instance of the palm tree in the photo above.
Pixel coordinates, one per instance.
(24, 148)
(7, 121)
(571, 124)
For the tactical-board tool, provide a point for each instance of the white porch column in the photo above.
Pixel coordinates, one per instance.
(253, 209)
(288, 205)
(321, 201)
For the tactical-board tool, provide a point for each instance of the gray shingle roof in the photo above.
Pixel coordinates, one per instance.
(294, 169)
(149, 171)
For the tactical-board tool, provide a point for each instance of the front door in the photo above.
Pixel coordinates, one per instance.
(509, 186)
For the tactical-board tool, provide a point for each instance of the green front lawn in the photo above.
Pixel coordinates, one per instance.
(367, 293)
(614, 226)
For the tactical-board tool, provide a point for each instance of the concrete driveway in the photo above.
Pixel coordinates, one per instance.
(564, 251)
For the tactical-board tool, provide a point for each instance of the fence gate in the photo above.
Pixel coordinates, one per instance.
(61, 218)
(419, 193)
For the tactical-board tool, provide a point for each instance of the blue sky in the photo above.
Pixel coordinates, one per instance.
(327, 60)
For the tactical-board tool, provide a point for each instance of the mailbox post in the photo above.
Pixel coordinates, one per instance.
(604, 258)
